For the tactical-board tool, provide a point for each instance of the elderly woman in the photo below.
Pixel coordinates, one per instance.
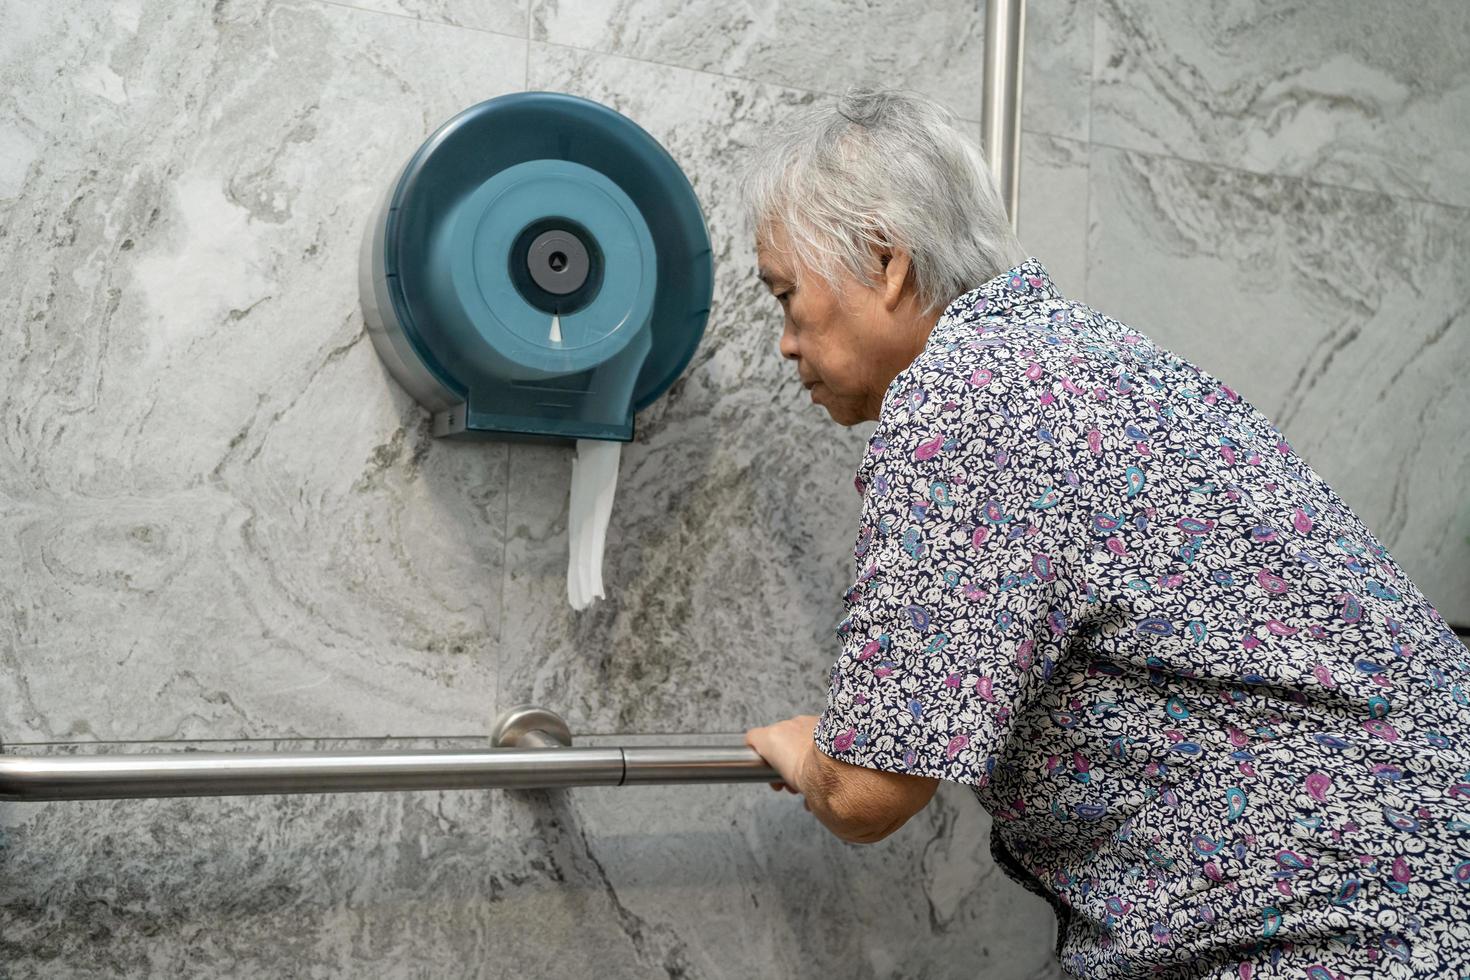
(1214, 722)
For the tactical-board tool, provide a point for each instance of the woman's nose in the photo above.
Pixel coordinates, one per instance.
(788, 343)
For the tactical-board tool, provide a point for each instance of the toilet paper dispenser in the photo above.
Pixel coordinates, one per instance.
(540, 270)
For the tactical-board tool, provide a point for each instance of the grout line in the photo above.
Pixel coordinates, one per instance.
(417, 20)
(1051, 136)
(9, 746)
(1048, 134)
(284, 738)
(707, 71)
(1087, 197)
(697, 71)
(504, 574)
(1087, 228)
(1092, 66)
(597, 51)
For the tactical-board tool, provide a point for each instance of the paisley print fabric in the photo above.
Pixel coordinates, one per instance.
(1213, 720)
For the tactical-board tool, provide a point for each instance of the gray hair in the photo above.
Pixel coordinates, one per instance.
(883, 169)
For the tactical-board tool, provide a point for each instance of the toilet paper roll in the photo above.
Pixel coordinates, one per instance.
(594, 478)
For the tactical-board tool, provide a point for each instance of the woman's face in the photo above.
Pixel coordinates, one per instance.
(849, 343)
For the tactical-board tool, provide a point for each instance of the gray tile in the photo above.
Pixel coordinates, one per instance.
(1053, 202)
(227, 520)
(501, 16)
(731, 536)
(935, 48)
(1056, 75)
(1340, 93)
(1343, 315)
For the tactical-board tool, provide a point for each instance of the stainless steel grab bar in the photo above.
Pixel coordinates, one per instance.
(1000, 110)
(534, 752)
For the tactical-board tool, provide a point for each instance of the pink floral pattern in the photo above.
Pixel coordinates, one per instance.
(1215, 723)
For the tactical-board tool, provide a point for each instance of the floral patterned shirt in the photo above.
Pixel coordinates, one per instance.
(1214, 722)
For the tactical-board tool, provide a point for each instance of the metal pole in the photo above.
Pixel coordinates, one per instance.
(539, 756)
(1000, 112)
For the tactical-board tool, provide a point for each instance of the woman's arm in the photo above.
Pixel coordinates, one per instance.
(859, 805)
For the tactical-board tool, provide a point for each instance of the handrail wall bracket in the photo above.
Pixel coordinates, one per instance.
(515, 726)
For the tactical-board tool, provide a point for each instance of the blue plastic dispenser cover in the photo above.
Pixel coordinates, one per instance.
(541, 270)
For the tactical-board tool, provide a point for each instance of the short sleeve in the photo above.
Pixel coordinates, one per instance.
(964, 581)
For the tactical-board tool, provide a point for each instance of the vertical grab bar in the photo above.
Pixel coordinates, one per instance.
(1000, 111)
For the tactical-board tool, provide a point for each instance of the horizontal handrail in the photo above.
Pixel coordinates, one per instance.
(538, 757)
(114, 777)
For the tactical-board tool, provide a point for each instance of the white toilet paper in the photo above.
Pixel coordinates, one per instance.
(594, 478)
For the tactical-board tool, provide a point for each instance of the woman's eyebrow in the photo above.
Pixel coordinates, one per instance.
(769, 278)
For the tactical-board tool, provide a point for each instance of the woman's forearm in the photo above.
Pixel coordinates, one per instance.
(857, 804)
(833, 801)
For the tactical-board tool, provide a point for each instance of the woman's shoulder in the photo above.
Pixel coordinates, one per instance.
(1019, 374)
(1060, 403)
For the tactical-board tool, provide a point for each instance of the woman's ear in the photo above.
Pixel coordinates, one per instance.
(896, 268)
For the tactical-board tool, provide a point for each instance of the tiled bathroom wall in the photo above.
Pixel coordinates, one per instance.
(228, 528)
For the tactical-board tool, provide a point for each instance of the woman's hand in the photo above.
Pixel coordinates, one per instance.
(788, 747)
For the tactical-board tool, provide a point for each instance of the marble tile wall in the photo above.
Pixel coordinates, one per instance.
(229, 528)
